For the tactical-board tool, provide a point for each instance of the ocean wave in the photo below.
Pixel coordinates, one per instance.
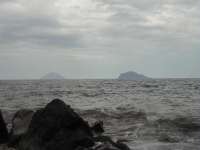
(183, 124)
(117, 113)
(92, 93)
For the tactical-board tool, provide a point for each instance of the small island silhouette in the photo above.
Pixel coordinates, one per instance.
(53, 76)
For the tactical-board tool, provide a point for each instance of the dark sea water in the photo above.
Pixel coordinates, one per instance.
(151, 115)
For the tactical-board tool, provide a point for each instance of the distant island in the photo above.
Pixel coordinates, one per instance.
(131, 75)
(52, 76)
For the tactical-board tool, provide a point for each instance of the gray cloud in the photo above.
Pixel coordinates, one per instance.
(113, 35)
(32, 30)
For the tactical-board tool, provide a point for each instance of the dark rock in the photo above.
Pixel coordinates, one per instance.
(106, 146)
(57, 127)
(109, 144)
(3, 130)
(97, 128)
(20, 124)
(121, 145)
(5, 147)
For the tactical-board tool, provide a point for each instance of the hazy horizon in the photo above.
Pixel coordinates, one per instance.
(82, 78)
(83, 39)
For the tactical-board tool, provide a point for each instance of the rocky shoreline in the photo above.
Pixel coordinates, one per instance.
(56, 126)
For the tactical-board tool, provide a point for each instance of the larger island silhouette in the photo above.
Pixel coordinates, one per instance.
(131, 75)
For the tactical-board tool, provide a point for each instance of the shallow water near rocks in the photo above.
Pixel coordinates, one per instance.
(150, 115)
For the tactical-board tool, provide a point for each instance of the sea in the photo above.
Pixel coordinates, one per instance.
(157, 114)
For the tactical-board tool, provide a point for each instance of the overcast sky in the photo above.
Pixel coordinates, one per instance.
(99, 38)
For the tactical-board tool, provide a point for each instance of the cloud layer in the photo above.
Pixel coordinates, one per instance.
(99, 38)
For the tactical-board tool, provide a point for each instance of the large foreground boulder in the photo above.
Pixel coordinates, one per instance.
(56, 127)
(3, 130)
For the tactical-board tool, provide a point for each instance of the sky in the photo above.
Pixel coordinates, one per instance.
(99, 38)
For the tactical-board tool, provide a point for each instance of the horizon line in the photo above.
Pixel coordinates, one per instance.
(150, 78)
